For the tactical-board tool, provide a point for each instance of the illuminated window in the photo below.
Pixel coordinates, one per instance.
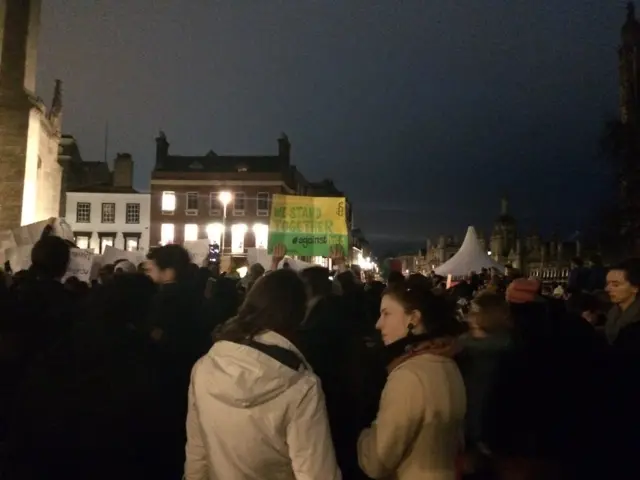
(261, 233)
(214, 233)
(239, 203)
(105, 241)
(167, 231)
(82, 242)
(131, 244)
(237, 238)
(190, 232)
(83, 212)
(168, 203)
(108, 213)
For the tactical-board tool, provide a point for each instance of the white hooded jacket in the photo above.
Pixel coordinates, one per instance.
(253, 418)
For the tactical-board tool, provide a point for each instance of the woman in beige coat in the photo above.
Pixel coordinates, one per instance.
(418, 432)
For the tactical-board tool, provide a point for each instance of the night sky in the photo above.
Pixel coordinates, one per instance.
(424, 114)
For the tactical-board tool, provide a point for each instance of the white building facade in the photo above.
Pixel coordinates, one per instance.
(101, 219)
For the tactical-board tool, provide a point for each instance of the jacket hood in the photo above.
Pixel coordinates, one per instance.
(244, 377)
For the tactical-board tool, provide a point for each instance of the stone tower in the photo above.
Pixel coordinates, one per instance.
(30, 176)
(629, 68)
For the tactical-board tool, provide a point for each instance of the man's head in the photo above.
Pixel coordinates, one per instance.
(50, 257)
(167, 264)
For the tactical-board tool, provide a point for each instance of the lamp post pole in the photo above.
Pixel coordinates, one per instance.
(225, 199)
(224, 226)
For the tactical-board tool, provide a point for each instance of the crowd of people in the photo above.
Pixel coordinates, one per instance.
(169, 370)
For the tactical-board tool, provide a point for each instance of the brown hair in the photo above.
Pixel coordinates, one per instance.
(276, 302)
(437, 314)
(491, 312)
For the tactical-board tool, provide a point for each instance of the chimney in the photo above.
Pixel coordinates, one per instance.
(123, 170)
(162, 148)
(284, 147)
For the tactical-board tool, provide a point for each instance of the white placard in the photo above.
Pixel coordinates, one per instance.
(19, 258)
(111, 255)
(199, 250)
(80, 262)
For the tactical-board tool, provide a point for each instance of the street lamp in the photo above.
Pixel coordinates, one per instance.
(225, 199)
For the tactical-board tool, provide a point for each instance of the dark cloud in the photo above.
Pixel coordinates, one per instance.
(424, 112)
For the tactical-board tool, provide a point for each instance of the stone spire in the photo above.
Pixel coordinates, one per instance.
(631, 28)
(56, 103)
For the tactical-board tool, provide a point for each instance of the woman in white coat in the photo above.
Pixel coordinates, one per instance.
(256, 410)
(418, 432)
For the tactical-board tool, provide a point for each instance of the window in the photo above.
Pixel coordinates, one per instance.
(83, 212)
(261, 233)
(132, 213)
(168, 203)
(214, 204)
(190, 232)
(214, 233)
(192, 203)
(106, 240)
(82, 242)
(167, 231)
(263, 204)
(237, 238)
(131, 244)
(239, 201)
(108, 213)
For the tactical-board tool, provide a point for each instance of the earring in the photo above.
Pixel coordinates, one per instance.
(410, 327)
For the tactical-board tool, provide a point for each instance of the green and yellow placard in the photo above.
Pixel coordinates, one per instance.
(308, 226)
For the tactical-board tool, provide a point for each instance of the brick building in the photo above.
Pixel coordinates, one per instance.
(30, 176)
(185, 195)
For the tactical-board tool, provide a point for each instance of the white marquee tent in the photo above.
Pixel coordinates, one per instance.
(470, 258)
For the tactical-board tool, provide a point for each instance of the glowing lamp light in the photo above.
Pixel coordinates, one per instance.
(242, 271)
(225, 198)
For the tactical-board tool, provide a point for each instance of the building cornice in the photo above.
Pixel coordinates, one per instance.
(220, 183)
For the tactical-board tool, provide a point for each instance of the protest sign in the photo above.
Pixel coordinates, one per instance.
(198, 249)
(30, 234)
(80, 262)
(308, 226)
(19, 258)
(111, 255)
